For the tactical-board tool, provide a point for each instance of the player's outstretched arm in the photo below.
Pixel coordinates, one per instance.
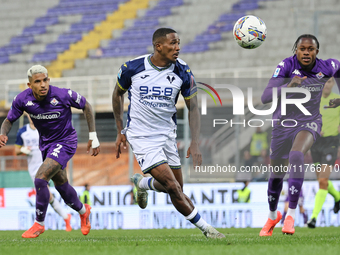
(93, 140)
(118, 111)
(5, 128)
(195, 125)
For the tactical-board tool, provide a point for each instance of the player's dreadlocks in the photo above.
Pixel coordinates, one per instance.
(305, 36)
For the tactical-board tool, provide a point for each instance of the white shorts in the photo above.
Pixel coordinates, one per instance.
(153, 151)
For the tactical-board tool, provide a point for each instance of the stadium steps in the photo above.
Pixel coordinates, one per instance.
(92, 40)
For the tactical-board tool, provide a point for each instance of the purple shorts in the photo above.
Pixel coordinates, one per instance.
(60, 151)
(283, 137)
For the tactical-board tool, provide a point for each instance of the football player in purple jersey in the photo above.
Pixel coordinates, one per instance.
(50, 110)
(291, 141)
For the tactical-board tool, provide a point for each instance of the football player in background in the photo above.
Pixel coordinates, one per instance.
(324, 152)
(154, 83)
(50, 110)
(291, 141)
(27, 143)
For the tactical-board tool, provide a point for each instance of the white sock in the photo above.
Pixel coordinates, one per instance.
(82, 210)
(201, 224)
(41, 223)
(143, 184)
(58, 208)
(272, 215)
(291, 212)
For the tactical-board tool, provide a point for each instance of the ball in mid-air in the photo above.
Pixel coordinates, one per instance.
(250, 32)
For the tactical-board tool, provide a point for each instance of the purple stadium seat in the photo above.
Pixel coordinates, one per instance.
(81, 27)
(158, 12)
(46, 21)
(172, 3)
(44, 56)
(124, 52)
(69, 38)
(146, 23)
(245, 6)
(21, 40)
(57, 47)
(9, 50)
(4, 59)
(207, 38)
(193, 48)
(34, 30)
(231, 17)
(94, 18)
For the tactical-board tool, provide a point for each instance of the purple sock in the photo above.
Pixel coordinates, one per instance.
(68, 193)
(305, 218)
(274, 190)
(283, 217)
(296, 176)
(42, 199)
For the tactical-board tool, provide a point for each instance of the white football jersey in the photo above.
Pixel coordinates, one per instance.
(153, 93)
(28, 137)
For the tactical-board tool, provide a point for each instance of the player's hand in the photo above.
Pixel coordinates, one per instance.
(120, 139)
(333, 103)
(3, 140)
(196, 154)
(95, 151)
(296, 81)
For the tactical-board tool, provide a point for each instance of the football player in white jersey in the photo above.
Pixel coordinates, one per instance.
(153, 83)
(27, 143)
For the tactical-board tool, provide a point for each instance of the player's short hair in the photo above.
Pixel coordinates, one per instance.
(36, 69)
(161, 32)
(305, 36)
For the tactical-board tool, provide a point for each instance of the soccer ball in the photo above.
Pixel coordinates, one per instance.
(250, 32)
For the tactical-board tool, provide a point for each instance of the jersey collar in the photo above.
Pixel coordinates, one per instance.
(155, 67)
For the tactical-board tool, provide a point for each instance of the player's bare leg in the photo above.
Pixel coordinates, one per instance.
(165, 176)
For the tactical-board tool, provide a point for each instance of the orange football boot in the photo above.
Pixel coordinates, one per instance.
(34, 231)
(85, 220)
(68, 223)
(288, 226)
(267, 230)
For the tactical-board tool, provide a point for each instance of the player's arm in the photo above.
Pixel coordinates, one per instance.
(118, 111)
(93, 140)
(194, 124)
(5, 128)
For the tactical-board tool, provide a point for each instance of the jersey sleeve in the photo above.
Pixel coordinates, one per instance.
(124, 76)
(279, 80)
(19, 140)
(75, 99)
(189, 87)
(16, 109)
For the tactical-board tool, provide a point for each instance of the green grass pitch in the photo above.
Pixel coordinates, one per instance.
(172, 241)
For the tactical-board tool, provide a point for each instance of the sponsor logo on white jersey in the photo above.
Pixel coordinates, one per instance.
(297, 72)
(29, 103)
(145, 76)
(170, 77)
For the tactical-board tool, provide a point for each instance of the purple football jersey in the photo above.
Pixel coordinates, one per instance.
(316, 79)
(52, 116)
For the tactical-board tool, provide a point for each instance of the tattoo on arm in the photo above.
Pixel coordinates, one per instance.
(89, 116)
(194, 118)
(6, 127)
(118, 107)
